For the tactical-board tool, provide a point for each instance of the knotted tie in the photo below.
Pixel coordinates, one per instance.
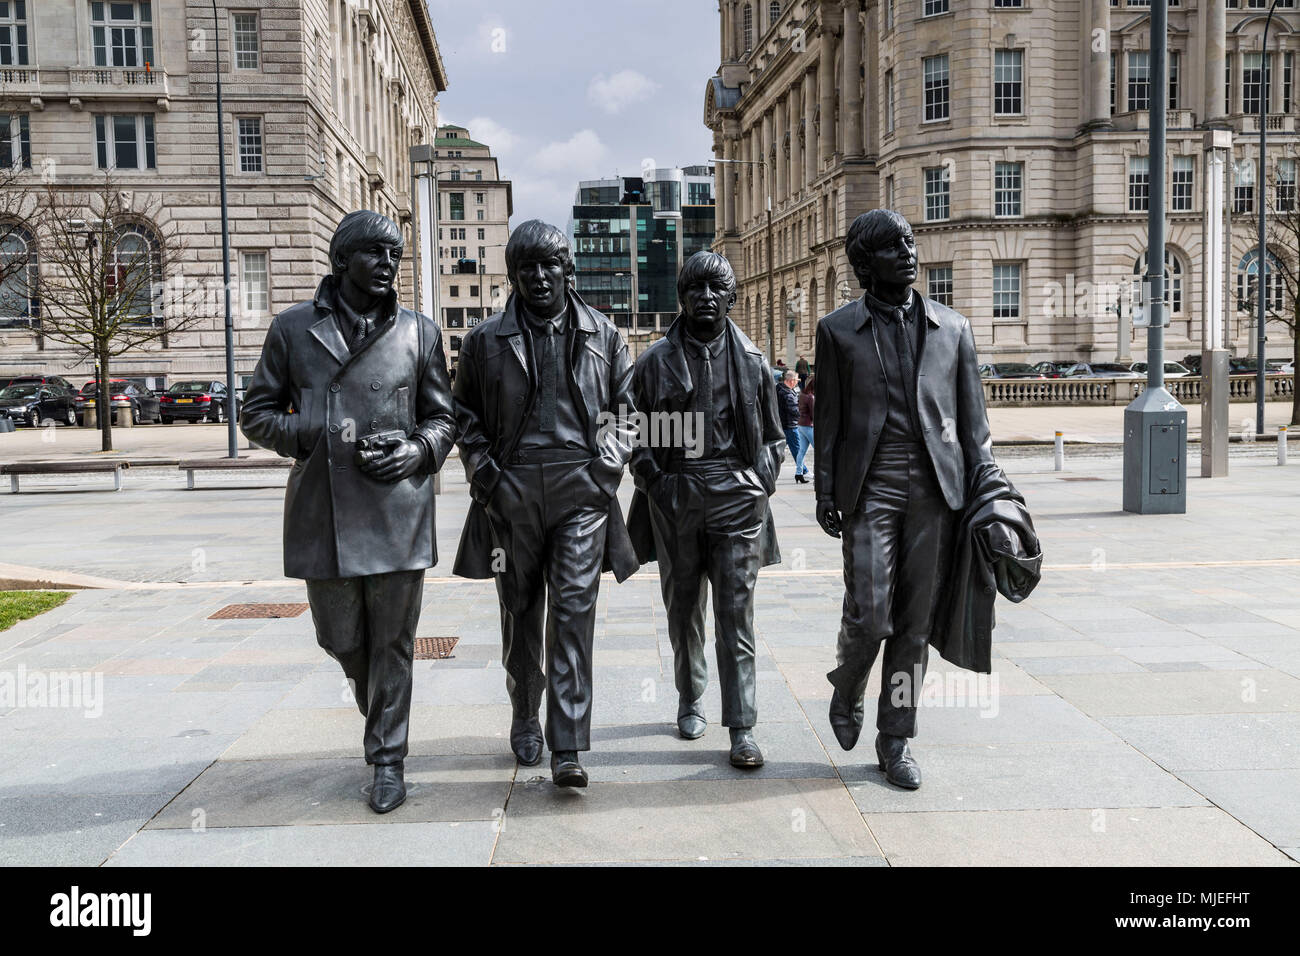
(547, 411)
(359, 333)
(704, 400)
(903, 338)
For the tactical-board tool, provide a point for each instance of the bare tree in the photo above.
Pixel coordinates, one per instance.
(1282, 231)
(16, 240)
(110, 278)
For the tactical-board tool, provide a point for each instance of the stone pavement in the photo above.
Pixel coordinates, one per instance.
(1144, 707)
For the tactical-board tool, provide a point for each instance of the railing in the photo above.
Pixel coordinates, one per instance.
(1010, 392)
(78, 82)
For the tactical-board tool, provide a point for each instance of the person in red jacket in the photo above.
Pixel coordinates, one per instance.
(807, 400)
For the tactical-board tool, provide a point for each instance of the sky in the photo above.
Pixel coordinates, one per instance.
(583, 89)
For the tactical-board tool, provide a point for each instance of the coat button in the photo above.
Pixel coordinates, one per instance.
(988, 589)
(335, 386)
(374, 386)
(519, 399)
(374, 423)
(334, 429)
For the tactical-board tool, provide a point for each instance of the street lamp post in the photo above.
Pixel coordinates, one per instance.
(232, 439)
(771, 305)
(1155, 424)
(423, 153)
(1262, 257)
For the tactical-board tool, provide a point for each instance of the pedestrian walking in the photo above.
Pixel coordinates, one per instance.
(807, 399)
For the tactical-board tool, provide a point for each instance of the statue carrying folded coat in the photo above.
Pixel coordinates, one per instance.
(905, 475)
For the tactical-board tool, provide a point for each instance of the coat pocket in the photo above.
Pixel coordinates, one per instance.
(307, 423)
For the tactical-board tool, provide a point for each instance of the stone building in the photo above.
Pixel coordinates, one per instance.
(474, 209)
(1013, 136)
(322, 101)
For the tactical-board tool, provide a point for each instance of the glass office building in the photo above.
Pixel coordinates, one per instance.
(630, 236)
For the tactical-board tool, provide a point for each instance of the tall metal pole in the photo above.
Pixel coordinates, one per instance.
(1155, 424)
(231, 425)
(1261, 290)
(771, 303)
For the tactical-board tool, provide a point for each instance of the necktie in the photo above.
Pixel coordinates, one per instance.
(359, 332)
(903, 338)
(704, 399)
(547, 412)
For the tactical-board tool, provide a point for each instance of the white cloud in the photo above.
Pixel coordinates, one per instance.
(489, 131)
(577, 156)
(624, 88)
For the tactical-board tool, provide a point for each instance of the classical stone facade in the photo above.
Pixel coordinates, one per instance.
(1013, 136)
(474, 209)
(322, 101)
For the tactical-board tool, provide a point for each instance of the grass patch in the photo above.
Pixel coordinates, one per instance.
(18, 606)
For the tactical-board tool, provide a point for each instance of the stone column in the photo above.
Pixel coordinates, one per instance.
(851, 82)
(728, 183)
(755, 171)
(766, 170)
(778, 133)
(831, 14)
(871, 85)
(793, 101)
(1213, 23)
(1097, 100)
(810, 147)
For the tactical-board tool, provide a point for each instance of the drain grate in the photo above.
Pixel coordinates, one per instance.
(1079, 478)
(231, 611)
(434, 648)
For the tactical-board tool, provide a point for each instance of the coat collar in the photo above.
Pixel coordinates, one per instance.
(511, 321)
(326, 328)
(864, 309)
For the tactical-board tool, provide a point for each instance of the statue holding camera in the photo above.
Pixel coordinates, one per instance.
(355, 389)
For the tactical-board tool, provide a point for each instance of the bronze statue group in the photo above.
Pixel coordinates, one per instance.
(545, 411)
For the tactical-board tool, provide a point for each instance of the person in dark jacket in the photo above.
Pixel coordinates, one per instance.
(787, 398)
(355, 389)
(899, 425)
(807, 401)
(544, 403)
(703, 510)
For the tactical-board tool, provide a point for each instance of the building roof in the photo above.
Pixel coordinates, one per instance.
(430, 43)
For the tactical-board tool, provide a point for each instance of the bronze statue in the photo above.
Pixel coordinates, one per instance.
(543, 399)
(702, 511)
(902, 446)
(354, 388)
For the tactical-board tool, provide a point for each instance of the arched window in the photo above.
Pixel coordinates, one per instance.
(747, 27)
(134, 274)
(19, 304)
(814, 307)
(1174, 273)
(1248, 282)
(773, 12)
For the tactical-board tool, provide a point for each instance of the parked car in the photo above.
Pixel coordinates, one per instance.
(199, 401)
(1099, 370)
(1287, 368)
(143, 403)
(1052, 369)
(34, 404)
(59, 380)
(1192, 362)
(1172, 369)
(1009, 370)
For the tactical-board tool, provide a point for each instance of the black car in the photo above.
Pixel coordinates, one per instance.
(200, 401)
(143, 403)
(59, 380)
(1009, 370)
(34, 404)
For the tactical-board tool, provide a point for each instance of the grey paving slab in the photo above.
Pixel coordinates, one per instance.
(1264, 800)
(337, 732)
(243, 793)
(1174, 693)
(394, 844)
(113, 765)
(62, 829)
(1021, 777)
(1237, 742)
(683, 820)
(1174, 836)
(1093, 664)
(641, 753)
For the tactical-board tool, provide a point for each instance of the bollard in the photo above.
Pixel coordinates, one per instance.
(1281, 444)
(1060, 452)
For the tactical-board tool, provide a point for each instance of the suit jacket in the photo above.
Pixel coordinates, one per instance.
(661, 382)
(996, 550)
(494, 391)
(851, 402)
(310, 399)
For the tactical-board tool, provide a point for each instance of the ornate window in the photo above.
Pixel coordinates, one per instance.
(1173, 279)
(1139, 183)
(936, 87)
(19, 270)
(747, 27)
(13, 32)
(1248, 282)
(1008, 82)
(134, 275)
(121, 33)
(773, 12)
(1008, 179)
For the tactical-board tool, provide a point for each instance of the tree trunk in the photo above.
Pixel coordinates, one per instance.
(104, 401)
(1295, 359)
